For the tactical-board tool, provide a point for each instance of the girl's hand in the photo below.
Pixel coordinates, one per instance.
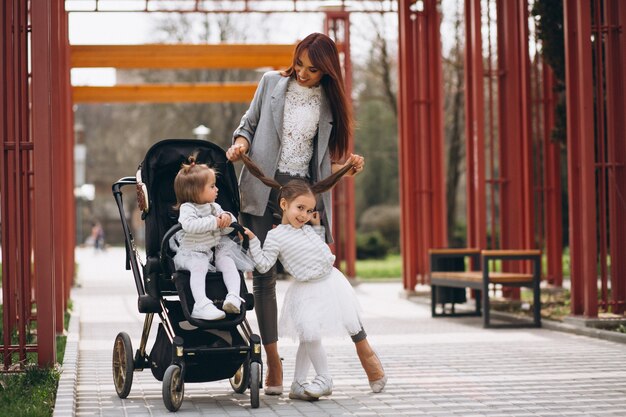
(315, 218)
(236, 150)
(357, 162)
(223, 221)
(249, 233)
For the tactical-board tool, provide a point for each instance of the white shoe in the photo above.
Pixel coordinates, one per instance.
(297, 392)
(207, 312)
(320, 386)
(232, 304)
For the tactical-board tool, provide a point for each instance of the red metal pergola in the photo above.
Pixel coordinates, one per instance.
(512, 168)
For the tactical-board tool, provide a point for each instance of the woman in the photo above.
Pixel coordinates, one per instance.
(298, 125)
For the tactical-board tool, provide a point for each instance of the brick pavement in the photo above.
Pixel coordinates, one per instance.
(442, 367)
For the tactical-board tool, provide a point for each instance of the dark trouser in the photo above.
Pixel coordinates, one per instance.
(264, 285)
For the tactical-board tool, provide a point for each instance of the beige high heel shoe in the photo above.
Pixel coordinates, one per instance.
(372, 366)
(277, 389)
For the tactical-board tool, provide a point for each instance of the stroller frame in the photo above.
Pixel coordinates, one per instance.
(164, 291)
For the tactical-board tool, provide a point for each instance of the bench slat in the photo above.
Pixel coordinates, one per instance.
(477, 276)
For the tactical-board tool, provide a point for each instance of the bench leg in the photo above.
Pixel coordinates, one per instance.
(433, 300)
(537, 294)
(485, 294)
(478, 297)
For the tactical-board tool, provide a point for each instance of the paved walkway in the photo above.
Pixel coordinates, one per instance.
(442, 367)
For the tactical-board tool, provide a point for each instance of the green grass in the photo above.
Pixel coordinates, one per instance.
(375, 269)
(32, 393)
(29, 394)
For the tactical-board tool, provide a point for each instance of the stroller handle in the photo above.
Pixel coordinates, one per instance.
(174, 229)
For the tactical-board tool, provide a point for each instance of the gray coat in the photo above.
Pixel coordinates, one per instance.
(262, 126)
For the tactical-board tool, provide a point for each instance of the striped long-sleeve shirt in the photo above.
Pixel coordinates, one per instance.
(200, 231)
(303, 252)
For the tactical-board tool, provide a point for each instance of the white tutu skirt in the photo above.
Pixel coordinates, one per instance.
(316, 309)
(184, 259)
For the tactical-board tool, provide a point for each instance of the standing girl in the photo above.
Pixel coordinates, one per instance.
(204, 227)
(298, 126)
(320, 301)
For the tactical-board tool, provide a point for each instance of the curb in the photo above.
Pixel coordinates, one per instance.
(65, 403)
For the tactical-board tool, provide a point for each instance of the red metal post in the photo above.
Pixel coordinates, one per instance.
(337, 26)
(406, 145)
(615, 49)
(581, 157)
(514, 134)
(42, 15)
(475, 127)
(552, 185)
(422, 196)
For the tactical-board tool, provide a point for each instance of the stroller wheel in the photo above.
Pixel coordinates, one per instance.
(239, 381)
(255, 383)
(123, 365)
(173, 388)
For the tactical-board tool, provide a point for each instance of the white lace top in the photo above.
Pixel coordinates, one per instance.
(300, 121)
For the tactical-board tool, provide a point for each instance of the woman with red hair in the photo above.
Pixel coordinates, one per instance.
(298, 126)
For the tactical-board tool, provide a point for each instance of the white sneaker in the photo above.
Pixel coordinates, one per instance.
(297, 392)
(232, 304)
(207, 312)
(320, 386)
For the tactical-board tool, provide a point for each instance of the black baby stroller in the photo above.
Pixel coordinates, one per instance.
(186, 349)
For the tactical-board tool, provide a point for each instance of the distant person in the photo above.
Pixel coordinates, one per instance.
(297, 127)
(204, 226)
(97, 236)
(321, 301)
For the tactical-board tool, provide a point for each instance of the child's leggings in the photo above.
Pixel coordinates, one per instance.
(198, 270)
(310, 353)
(226, 266)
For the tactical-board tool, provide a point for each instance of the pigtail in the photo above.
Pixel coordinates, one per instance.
(256, 171)
(330, 181)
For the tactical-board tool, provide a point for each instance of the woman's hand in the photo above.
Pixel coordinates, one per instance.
(357, 162)
(249, 233)
(239, 148)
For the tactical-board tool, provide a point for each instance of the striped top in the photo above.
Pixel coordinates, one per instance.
(200, 232)
(303, 252)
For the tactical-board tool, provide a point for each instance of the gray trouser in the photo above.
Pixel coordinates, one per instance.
(264, 285)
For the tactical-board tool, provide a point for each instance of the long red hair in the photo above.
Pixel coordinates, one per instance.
(324, 56)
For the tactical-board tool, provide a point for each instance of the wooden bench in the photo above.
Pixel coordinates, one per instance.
(480, 280)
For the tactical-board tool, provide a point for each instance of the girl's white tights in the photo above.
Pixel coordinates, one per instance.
(226, 266)
(310, 352)
(198, 271)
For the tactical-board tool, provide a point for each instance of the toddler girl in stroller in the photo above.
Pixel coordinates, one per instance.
(204, 229)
